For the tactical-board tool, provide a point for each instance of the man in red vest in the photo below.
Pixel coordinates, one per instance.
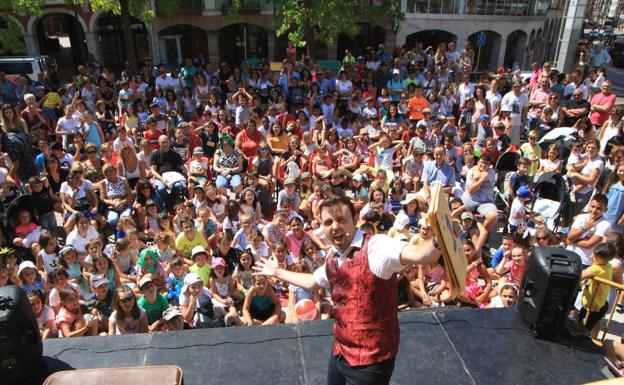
(361, 272)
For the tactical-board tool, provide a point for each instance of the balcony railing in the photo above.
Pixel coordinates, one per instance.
(478, 7)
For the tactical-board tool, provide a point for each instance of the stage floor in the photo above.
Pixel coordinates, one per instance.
(441, 346)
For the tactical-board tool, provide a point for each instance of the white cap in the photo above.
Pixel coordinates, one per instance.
(190, 279)
(25, 265)
(401, 221)
(396, 71)
(98, 280)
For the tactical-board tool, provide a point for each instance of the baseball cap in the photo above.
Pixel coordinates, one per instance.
(523, 192)
(145, 280)
(396, 72)
(98, 280)
(171, 313)
(359, 177)
(467, 215)
(218, 261)
(306, 175)
(484, 117)
(198, 150)
(290, 180)
(190, 279)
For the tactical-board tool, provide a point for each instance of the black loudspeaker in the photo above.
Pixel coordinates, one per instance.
(549, 287)
(20, 341)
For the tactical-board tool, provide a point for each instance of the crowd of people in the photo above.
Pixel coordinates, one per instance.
(154, 192)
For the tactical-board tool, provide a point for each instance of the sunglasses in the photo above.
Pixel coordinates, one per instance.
(541, 238)
(127, 299)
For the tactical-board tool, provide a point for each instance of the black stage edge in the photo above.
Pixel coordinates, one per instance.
(439, 346)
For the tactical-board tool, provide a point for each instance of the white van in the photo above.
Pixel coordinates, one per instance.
(32, 66)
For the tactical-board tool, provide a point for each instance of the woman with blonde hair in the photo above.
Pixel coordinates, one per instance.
(129, 165)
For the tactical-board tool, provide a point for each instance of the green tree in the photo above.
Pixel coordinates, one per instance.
(307, 21)
(10, 35)
(10, 31)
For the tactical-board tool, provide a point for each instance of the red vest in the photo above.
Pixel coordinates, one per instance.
(366, 327)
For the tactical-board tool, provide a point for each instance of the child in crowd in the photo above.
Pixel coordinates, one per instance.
(175, 280)
(518, 212)
(262, 307)
(512, 269)
(224, 290)
(594, 297)
(507, 298)
(128, 317)
(29, 278)
(70, 320)
(27, 232)
(244, 271)
(45, 315)
(576, 161)
(152, 302)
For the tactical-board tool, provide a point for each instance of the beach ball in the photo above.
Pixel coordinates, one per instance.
(306, 310)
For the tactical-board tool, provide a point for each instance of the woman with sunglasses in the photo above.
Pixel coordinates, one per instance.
(54, 172)
(545, 238)
(93, 164)
(128, 317)
(78, 198)
(228, 164)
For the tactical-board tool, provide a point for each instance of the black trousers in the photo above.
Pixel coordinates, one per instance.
(339, 372)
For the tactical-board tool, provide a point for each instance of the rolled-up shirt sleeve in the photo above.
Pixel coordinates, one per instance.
(320, 276)
(384, 256)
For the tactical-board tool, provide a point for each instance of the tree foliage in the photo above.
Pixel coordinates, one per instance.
(10, 33)
(324, 20)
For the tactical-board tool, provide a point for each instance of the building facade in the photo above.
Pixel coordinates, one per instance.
(516, 32)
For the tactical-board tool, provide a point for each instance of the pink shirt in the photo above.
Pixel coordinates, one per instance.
(597, 118)
(294, 244)
(538, 95)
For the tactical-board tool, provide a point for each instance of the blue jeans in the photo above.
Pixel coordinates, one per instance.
(168, 198)
(113, 216)
(233, 182)
(47, 221)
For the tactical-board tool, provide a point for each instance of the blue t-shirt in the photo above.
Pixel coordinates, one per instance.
(497, 257)
(443, 174)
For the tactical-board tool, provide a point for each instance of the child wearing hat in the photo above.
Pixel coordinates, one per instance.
(517, 213)
(198, 167)
(152, 302)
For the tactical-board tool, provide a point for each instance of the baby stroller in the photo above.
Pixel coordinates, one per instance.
(552, 200)
(507, 163)
(10, 215)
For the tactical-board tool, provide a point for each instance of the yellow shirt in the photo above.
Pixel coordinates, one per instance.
(185, 245)
(203, 272)
(279, 143)
(52, 100)
(533, 154)
(600, 296)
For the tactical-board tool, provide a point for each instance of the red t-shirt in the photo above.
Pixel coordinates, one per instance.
(152, 137)
(597, 118)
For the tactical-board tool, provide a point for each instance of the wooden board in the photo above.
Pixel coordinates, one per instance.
(455, 263)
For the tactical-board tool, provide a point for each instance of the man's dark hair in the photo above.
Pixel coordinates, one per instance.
(337, 200)
(601, 198)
